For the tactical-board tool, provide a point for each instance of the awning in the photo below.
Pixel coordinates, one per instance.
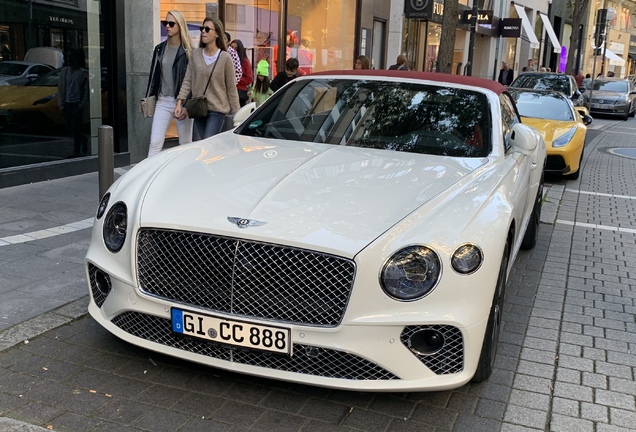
(525, 23)
(553, 37)
(615, 60)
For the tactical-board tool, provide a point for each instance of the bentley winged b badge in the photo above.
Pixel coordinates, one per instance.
(244, 223)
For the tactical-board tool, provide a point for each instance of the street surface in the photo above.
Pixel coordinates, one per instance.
(566, 359)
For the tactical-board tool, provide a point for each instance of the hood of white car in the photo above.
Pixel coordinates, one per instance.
(324, 197)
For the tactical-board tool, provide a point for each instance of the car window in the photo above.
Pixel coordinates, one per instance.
(48, 80)
(543, 105)
(12, 69)
(508, 118)
(611, 86)
(407, 117)
(39, 70)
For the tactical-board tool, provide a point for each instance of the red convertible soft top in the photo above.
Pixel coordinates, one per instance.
(432, 76)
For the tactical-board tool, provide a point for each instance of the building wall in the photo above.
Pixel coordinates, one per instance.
(139, 16)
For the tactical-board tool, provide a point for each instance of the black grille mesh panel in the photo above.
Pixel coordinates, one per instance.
(450, 359)
(306, 360)
(98, 296)
(244, 278)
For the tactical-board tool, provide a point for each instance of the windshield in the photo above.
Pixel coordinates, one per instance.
(546, 106)
(611, 86)
(48, 80)
(13, 69)
(407, 117)
(559, 83)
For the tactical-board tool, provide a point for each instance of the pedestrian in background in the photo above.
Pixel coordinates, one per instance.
(291, 72)
(506, 75)
(210, 63)
(236, 60)
(73, 98)
(579, 77)
(260, 91)
(247, 77)
(169, 64)
(362, 62)
(400, 63)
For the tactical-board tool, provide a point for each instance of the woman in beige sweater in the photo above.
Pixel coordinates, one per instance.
(210, 73)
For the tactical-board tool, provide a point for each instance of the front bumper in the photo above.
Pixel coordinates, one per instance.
(609, 109)
(371, 353)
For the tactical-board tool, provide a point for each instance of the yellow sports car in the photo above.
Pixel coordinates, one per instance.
(562, 126)
(32, 107)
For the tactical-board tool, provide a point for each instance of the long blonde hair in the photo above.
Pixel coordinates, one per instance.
(184, 34)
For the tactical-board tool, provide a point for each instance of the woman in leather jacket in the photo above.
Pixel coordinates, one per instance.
(168, 67)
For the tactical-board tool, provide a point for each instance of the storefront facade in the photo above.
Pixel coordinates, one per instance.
(117, 40)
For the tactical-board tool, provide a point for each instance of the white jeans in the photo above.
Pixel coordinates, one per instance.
(161, 121)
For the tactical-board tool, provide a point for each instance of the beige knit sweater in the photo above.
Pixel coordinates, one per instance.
(221, 95)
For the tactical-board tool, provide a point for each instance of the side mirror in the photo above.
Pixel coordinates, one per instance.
(243, 113)
(524, 139)
(576, 95)
(587, 119)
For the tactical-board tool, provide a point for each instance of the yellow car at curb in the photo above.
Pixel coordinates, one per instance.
(562, 126)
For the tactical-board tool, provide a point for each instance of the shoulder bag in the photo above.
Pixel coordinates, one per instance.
(198, 106)
(147, 104)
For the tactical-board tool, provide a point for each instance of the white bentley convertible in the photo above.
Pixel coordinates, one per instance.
(356, 231)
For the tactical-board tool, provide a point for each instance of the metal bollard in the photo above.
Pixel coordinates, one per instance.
(106, 158)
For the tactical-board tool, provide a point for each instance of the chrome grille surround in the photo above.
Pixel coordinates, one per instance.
(98, 296)
(308, 360)
(245, 278)
(450, 359)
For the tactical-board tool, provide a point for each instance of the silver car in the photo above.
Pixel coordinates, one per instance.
(611, 96)
(14, 72)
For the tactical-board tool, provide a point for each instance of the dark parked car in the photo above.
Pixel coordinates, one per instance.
(612, 96)
(563, 83)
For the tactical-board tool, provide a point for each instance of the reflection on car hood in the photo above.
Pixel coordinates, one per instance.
(550, 129)
(331, 198)
(600, 94)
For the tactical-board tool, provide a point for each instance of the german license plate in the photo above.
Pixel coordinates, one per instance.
(231, 332)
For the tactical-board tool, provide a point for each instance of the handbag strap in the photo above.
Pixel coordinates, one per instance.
(152, 73)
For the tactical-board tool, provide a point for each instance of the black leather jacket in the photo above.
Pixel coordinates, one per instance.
(178, 70)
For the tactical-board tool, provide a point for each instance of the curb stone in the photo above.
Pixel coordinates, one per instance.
(36, 326)
(11, 425)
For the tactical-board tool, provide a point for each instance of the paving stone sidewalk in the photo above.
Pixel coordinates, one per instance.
(566, 359)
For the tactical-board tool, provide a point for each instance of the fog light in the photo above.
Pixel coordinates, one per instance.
(426, 342)
(102, 282)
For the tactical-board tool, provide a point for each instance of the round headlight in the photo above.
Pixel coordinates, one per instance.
(115, 225)
(467, 259)
(411, 273)
(102, 206)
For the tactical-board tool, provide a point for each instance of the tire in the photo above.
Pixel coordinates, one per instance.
(532, 231)
(575, 175)
(486, 362)
(632, 113)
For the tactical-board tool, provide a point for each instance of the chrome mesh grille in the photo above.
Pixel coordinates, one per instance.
(244, 278)
(306, 359)
(450, 359)
(98, 296)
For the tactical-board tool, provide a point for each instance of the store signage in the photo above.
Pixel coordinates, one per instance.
(483, 16)
(510, 27)
(57, 19)
(420, 9)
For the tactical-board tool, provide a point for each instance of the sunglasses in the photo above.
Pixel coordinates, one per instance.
(206, 28)
(168, 23)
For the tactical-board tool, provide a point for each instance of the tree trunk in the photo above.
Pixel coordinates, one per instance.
(447, 39)
(579, 16)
